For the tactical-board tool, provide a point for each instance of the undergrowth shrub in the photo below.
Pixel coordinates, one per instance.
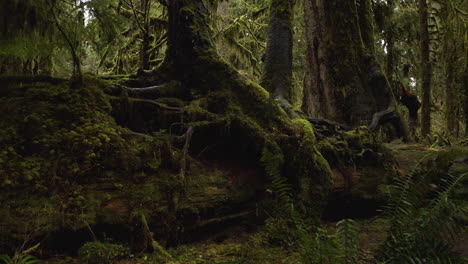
(325, 247)
(21, 257)
(425, 223)
(426, 210)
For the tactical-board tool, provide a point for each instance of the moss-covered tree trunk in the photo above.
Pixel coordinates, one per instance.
(465, 103)
(426, 68)
(366, 25)
(277, 76)
(389, 33)
(191, 56)
(344, 83)
(145, 6)
(451, 98)
(319, 99)
(242, 109)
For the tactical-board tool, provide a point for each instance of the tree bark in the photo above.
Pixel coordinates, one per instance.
(390, 43)
(277, 75)
(344, 82)
(366, 24)
(145, 44)
(450, 94)
(319, 99)
(335, 50)
(465, 88)
(242, 108)
(426, 69)
(191, 56)
(339, 62)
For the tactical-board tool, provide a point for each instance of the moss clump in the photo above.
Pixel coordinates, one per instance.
(372, 183)
(55, 135)
(63, 157)
(313, 170)
(102, 253)
(360, 157)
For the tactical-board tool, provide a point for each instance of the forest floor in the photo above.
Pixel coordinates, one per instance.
(239, 243)
(236, 247)
(239, 248)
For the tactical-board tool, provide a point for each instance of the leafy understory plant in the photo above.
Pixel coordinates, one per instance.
(323, 247)
(424, 230)
(97, 252)
(21, 257)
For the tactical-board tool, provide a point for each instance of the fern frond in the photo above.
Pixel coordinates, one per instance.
(425, 233)
(402, 200)
(348, 236)
(5, 259)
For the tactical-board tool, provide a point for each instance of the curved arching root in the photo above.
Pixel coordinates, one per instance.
(381, 117)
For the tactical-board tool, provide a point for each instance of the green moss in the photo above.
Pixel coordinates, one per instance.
(272, 158)
(314, 173)
(102, 253)
(371, 182)
(82, 130)
(362, 159)
(61, 146)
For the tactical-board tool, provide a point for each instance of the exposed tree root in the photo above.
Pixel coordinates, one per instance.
(147, 102)
(31, 79)
(171, 89)
(381, 117)
(160, 105)
(220, 220)
(136, 134)
(185, 150)
(150, 242)
(326, 128)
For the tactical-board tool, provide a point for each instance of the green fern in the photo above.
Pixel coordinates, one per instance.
(348, 236)
(21, 257)
(319, 248)
(423, 231)
(273, 160)
(19, 260)
(323, 247)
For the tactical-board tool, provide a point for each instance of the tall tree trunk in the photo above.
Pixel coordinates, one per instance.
(145, 6)
(339, 62)
(277, 76)
(145, 45)
(319, 97)
(390, 43)
(191, 56)
(366, 25)
(343, 81)
(465, 88)
(426, 69)
(191, 59)
(451, 98)
(336, 50)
